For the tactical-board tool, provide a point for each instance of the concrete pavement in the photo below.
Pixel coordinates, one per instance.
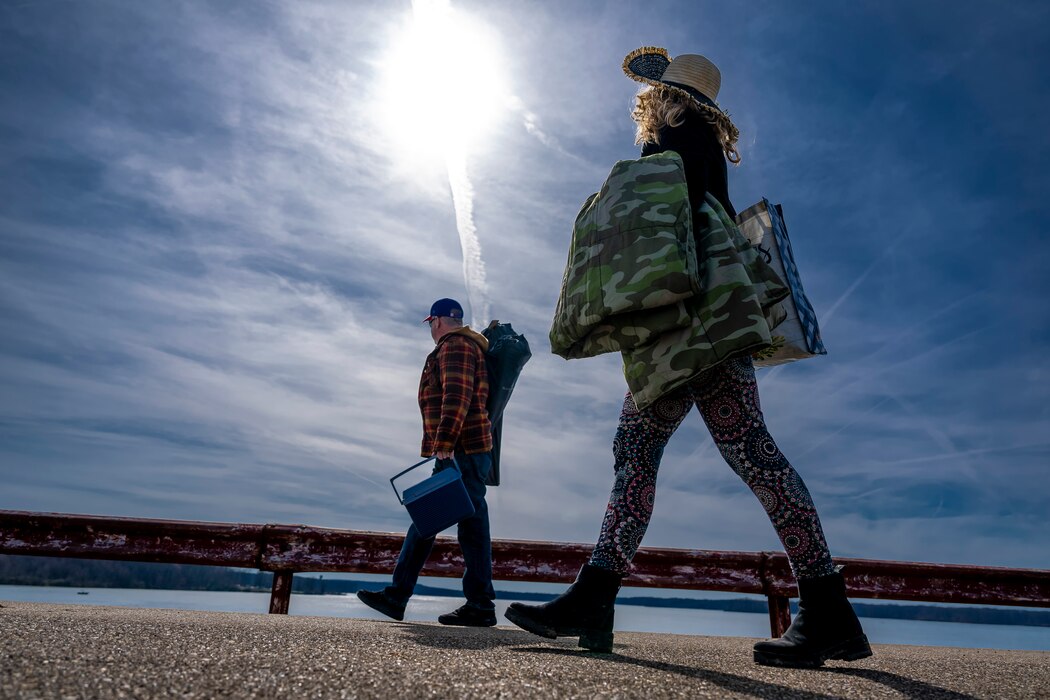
(72, 651)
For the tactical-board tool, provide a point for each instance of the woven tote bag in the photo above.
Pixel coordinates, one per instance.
(798, 337)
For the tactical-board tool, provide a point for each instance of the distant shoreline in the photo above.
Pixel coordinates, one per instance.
(80, 573)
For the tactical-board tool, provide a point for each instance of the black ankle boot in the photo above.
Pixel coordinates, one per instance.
(824, 628)
(585, 610)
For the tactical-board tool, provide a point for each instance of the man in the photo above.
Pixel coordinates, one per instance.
(452, 395)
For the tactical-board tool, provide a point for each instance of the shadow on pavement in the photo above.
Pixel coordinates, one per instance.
(908, 687)
(729, 681)
(490, 638)
(450, 637)
(480, 639)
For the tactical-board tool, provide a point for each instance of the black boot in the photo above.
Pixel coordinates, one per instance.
(469, 616)
(824, 628)
(585, 610)
(384, 603)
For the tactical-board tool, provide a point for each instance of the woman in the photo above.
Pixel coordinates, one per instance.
(676, 112)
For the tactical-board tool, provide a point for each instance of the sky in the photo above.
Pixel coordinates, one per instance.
(222, 222)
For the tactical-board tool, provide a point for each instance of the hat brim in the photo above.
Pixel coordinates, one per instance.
(648, 64)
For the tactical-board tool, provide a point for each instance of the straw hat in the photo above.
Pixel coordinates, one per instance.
(690, 74)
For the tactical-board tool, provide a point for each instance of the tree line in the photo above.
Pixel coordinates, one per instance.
(90, 573)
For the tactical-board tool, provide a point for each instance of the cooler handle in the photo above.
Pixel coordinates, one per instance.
(417, 464)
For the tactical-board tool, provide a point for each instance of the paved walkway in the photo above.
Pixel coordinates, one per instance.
(72, 651)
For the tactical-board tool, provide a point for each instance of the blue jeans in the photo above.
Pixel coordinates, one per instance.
(475, 540)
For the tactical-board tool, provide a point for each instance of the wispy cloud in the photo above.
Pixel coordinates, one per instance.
(212, 268)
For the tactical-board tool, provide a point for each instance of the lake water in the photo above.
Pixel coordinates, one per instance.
(628, 617)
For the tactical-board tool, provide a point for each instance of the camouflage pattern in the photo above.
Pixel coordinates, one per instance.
(632, 253)
(674, 328)
(733, 315)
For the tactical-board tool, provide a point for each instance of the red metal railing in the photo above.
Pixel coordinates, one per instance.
(287, 549)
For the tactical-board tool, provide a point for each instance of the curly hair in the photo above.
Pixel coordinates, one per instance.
(656, 106)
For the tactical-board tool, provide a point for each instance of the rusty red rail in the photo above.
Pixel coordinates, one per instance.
(287, 549)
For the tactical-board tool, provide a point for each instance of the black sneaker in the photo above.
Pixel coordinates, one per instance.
(469, 616)
(381, 601)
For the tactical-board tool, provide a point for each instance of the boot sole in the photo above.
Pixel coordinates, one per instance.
(849, 650)
(593, 640)
(530, 625)
(391, 612)
(460, 623)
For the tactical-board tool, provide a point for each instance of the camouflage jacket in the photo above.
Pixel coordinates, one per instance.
(673, 291)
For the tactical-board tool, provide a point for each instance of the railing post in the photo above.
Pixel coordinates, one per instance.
(285, 549)
(779, 615)
(281, 593)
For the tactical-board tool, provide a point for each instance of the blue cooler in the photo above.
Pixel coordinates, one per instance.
(438, 501)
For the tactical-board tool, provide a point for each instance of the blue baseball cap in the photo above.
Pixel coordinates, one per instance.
(444, 307)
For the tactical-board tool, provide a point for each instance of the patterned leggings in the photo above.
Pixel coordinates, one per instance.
(727, 397)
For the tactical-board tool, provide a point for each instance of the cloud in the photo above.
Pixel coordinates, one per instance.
(212, 269)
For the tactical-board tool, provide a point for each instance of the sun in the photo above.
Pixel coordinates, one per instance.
(442, 86)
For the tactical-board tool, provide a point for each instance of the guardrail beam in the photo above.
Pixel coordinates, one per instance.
(286, 549)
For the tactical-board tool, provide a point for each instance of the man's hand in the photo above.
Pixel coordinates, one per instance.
(443, 454)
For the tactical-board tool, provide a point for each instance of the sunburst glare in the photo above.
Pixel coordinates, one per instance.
(443, 91)
(443, 86)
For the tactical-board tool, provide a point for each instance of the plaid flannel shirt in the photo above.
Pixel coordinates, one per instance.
(453, 391)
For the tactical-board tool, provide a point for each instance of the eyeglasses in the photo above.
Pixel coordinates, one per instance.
(438, 318)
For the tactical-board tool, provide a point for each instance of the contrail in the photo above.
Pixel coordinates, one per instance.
(473, 265)
(434, 16)
(832, 434)
(966, 453)
(531, 122)
(826, 319)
